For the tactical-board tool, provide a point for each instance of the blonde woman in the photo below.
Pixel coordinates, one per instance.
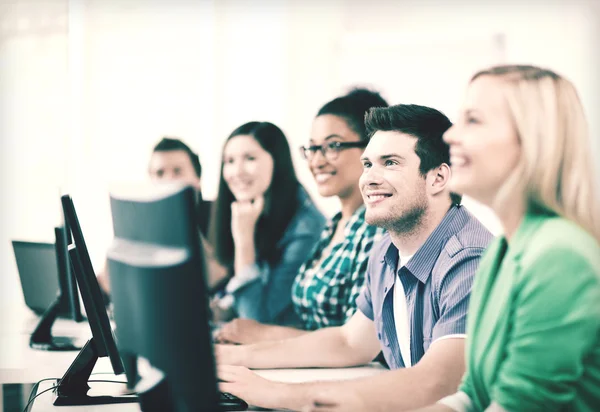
(521, 146)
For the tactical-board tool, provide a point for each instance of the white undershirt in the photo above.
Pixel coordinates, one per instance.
(401, 314)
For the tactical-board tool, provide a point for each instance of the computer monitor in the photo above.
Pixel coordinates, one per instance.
(48, 289)
(72, 388)
(159, 293)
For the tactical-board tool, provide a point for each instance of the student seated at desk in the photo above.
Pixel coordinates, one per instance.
(521, 146)
(173, 160)
(419, 277)
(264, 225)
(329, 282)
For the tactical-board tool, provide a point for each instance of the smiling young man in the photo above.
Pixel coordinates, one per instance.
(419, 277)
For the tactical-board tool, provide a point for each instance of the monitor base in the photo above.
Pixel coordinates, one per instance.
(57, 343)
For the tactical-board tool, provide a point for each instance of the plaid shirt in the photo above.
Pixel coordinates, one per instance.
(325, 294)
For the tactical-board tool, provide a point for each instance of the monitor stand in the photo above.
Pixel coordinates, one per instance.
(42, 338)
(72, 389)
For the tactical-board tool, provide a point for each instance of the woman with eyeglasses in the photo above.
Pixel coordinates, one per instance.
(328, 283)
(264, 226)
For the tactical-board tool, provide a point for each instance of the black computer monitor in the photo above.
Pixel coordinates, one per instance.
(72, 388)
(159, 293)
(48, 289)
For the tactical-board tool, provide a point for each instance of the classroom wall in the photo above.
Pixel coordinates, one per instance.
(87, 87)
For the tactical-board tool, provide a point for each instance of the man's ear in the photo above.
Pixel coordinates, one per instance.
(438, 178)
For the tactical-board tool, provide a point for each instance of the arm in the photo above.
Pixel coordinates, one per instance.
(435, 376)
(556, 325)
(103, 280)
(264, 292)
(355, 343)
(247, 331)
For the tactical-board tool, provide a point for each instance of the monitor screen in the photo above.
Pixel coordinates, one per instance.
(72, 388)
(158, 288)
(38, 272)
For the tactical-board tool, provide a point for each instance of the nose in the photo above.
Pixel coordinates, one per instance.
(318, 161)
(236, 168)
(168, 176)
(371, 177)
(450, 137)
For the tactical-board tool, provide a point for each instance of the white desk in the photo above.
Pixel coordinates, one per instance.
(21, 364)
(44, 402)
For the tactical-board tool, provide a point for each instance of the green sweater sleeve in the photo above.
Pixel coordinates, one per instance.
(556, 324)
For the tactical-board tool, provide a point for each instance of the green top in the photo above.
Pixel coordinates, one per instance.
(534, 320)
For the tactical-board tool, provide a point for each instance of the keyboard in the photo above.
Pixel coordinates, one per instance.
(229, 402)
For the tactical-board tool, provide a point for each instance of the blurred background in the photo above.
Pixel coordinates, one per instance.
(87, 87)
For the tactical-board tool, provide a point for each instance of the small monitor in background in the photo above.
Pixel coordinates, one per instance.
(47, 285)
(72, 388)
(159, 293)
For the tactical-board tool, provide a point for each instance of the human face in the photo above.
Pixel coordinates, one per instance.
(337, 177)
(247, 168)
(173, 165)
(391, 184)
(484, 144)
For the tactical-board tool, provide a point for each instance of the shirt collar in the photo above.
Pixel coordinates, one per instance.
(422, 262)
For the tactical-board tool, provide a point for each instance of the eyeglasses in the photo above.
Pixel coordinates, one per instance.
(329, 150)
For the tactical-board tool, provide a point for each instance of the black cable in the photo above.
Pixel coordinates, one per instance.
(124, 383)
(34, 388)
(26, 409)
(37, 385)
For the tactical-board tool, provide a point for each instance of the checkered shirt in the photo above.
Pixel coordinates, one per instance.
(324, 293)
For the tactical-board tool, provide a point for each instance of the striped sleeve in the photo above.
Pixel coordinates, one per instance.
(454, 292)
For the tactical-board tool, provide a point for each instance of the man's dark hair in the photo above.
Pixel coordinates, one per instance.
(353, 107)
(281, 199)
(169, 144)
(427, 125)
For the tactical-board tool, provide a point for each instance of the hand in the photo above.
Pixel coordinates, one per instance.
(240, 331)
(336, 400)
(244, 215)
(220, 314)
(245, 384)
(229, 354)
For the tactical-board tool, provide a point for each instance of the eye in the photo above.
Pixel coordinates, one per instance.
(160, 173)
(229, 160)
(250, 158)
(366, 164)
(471, 120)
(390, 162)
(333, 145)
(177, 171)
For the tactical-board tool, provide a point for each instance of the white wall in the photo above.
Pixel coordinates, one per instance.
(88, 86)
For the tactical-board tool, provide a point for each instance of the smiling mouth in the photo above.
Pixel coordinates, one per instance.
(458, 161)
(241, 186)
(378, 197)
(323, 177)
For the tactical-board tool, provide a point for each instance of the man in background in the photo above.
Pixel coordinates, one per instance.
(173, 160)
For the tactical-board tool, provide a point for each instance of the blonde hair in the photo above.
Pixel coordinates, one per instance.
(556, 170)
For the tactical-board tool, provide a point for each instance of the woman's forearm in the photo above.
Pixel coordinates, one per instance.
(245, 254)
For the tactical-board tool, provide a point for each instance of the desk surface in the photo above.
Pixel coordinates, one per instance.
(21, 364)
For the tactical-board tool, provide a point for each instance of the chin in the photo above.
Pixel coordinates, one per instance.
(459, 185)
(326, 191)
(373, 218)
(242, 197)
